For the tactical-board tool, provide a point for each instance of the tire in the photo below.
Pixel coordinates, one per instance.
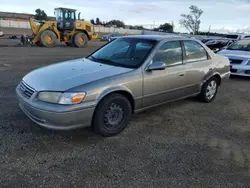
(112, 115)
(210, 86)
(48, 38)
(80, 40)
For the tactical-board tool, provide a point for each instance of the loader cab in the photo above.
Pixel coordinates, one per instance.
(65, 18)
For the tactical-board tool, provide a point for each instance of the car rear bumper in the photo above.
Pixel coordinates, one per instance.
(56, 120)
(240, 70)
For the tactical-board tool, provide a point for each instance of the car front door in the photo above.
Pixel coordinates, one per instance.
(196, 66)
(165, 85)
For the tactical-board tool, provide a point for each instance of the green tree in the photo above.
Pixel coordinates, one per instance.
(116, 23)
(97, 21)
(92, 21)
(166, 28)
(40, 15)
(139, 27)
(192, 21)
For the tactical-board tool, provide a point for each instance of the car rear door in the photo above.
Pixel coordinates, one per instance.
(197, 64)
(165, 85)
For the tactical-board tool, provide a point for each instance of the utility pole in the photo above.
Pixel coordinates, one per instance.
(173, 25)
(209, 29)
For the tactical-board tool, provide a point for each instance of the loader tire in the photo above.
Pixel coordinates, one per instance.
(80, 40)
(48, 38)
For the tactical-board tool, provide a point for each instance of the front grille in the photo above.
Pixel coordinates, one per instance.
(26, 90)
(247, 72)
(235, 61)
(233, 70)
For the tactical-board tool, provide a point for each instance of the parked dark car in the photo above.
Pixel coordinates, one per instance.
(205, 40)
(110, 37)
(219, 44)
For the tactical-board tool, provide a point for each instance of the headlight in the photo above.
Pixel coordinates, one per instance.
(52, 97)
(248, 63)
(61, 98)
(71, 98)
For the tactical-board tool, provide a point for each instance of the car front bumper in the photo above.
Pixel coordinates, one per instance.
(64, 119)
(240, 70)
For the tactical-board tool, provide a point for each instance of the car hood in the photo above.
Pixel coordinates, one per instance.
(235, 53)
(69, 74)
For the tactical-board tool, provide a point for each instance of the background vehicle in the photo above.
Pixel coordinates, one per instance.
(239, 56)
(110, 37)
(129, 74)
(1, 33)
(217, 44)
(235, 36)
(66, 29)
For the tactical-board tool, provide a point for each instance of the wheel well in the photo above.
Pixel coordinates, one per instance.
(85, 32)
(218, 78)
(49, 29)
(125, 94)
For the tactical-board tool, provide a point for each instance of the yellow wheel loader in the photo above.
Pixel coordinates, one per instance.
(66, 28)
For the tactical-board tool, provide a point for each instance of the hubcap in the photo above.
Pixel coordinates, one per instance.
(81, 40)
(113, 116)
(48, 39)
(211, 89)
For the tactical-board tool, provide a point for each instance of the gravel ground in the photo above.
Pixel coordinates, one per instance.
(181, 144)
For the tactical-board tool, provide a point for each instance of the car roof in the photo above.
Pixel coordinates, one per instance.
(157, 37)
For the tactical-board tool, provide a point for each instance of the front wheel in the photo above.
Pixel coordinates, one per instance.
(80, 40)
(112, 115)
(48, 38)
(209, 90)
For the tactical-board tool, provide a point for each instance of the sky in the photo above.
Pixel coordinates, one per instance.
(221, 15)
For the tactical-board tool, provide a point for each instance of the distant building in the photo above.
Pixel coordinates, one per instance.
(12, 16)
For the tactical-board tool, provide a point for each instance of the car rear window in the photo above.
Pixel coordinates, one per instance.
(194, 51)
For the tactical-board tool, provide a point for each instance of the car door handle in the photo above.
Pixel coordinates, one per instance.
(181, 74)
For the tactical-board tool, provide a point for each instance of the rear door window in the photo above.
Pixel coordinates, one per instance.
(170, 53)
(194, 51)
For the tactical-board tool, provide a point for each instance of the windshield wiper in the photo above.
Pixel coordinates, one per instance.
(105, 60)
(93, 58)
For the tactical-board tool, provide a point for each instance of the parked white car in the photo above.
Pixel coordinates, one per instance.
(239, 56)
(1, 33)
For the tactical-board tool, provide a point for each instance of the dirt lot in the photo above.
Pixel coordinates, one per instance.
(182, 144)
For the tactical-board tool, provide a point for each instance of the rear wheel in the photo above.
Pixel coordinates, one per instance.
(80, 40)
(112, 115)
(209, 90)
(48, 38)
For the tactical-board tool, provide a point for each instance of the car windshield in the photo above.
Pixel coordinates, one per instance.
(243, 45)
(124, 52)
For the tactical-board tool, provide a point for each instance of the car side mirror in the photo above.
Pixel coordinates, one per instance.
(158, 65)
